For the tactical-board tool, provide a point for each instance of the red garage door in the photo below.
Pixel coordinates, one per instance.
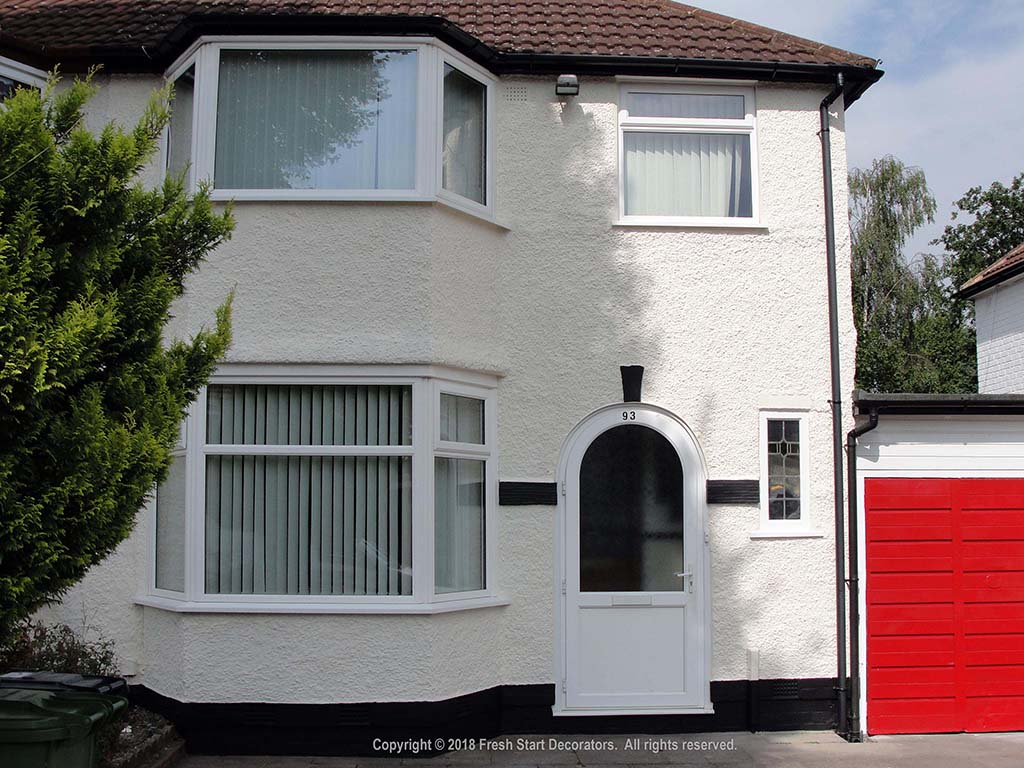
(945, 605)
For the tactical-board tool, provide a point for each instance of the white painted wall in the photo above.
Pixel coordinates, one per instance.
(999, 320)
(726, 322)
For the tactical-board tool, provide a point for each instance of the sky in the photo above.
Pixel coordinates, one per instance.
(950, 101)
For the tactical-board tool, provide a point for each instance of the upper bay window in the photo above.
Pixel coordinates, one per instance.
(688, 155)
(377, 119)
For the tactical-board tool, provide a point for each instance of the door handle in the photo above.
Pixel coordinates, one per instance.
(688, 575)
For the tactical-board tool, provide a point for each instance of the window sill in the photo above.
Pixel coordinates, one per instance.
(330, 196)
(240, 606)
(782, 533)
(666, 222)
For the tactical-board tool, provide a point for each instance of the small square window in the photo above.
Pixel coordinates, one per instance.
(462, 419)
(783, 470)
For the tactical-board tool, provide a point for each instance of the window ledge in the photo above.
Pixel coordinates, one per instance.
(329, 196)
(795, 533)
(654, 222)
(240, 606)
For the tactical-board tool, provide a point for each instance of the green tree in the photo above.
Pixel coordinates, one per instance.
(90, 395)
(910, 338)
(995, 228)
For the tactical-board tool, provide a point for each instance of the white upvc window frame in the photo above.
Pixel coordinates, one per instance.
(485, 452)
(431, 55)
(427, 382)
(22, 73)
(747, 127)
(770, 529)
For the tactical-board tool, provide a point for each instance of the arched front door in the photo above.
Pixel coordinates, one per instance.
(634, 593)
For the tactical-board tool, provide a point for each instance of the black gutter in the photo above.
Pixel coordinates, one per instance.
(853, 732)
(136, 58)
(835, 402)
(991, 281)
(901, 404)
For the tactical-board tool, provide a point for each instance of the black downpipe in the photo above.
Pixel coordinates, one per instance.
(836, 403)
(854, 732)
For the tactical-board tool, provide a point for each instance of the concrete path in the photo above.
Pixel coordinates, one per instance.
(729, 750)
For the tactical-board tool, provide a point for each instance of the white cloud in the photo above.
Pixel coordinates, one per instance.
(819, 20)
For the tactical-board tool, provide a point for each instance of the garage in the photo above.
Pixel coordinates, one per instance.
(941, 484)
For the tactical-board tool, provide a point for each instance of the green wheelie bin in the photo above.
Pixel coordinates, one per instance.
(52, 728)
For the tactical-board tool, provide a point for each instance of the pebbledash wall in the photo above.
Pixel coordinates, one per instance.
(554, 298)
(999, 320)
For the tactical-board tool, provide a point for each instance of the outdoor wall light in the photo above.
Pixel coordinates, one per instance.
(567, 85)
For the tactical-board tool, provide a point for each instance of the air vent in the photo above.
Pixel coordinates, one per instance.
(515, 93)
(785, 689)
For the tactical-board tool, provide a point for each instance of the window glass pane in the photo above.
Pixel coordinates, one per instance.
(250, 414)
(700, 105)
(298, 525)
(783, 469)
(8, 86)
(179, 150)
(631, 513)
(459, 552)
(462, 419)
(170, 528)
(687, 174)
(316, 120)
(463, 165)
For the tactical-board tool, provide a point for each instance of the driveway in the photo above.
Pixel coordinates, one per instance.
(767, 750)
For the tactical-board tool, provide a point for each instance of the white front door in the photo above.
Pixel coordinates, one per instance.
(635, 594)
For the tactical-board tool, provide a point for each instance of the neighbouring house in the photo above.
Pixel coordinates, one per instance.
(998, 295)
(415, 499)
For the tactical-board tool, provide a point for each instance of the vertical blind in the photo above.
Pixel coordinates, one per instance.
(309, 525)
(462, 419)
(463, 156)
(170, 528)
(316, 120)
(179, 149)
(687, 174)
(459, 552)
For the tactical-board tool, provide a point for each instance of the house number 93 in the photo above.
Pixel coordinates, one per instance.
(629, 415)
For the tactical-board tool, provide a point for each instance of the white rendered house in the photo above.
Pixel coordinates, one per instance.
(413, 494)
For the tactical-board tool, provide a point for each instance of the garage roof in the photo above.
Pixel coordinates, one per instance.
(907, 404)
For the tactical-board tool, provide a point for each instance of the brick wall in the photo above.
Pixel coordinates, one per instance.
(1000, 323)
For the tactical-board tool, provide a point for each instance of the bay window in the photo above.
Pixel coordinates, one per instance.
(371, 489)
(688, 155)
(15, 75)
(402, 119)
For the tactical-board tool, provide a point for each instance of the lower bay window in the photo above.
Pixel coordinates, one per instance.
(358, 491)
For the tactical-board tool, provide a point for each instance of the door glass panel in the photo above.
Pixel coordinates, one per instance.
(631, 513)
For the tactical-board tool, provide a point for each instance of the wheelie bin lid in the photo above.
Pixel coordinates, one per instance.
(27, 719)
(64, 681)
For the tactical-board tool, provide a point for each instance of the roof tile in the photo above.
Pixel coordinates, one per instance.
(574, 27)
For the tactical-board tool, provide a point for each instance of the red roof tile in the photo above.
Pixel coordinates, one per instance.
(1010, 265)
(633, 28)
